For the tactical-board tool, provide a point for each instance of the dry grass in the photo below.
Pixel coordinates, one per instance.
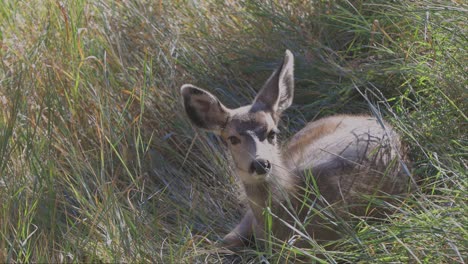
(99, 164)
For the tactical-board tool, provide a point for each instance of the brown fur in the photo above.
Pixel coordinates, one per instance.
(334, 167)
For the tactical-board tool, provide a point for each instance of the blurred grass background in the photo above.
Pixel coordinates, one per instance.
(98, 162)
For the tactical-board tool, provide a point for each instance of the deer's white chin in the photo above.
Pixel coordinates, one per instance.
(253, 178)
(260, 177)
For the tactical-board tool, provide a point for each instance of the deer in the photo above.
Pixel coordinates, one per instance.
(334, 166)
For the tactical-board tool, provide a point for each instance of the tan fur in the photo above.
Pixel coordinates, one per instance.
(333, 168)
(309, 134)
(347, 166)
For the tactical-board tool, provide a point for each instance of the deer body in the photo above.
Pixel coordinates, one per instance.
(332, 165)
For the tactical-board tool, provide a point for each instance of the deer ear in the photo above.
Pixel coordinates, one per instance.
(204, 109)
(277, 93)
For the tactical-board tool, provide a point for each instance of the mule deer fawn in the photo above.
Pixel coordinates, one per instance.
(334, 164)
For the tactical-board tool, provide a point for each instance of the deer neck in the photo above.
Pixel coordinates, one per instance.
(276, 188)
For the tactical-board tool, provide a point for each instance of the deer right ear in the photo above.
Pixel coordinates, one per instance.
(277, 93)
(204, 109)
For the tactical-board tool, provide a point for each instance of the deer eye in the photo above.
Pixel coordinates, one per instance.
(234, 140)
(271, 136)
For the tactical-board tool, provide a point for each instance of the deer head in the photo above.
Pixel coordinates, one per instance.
(249, 131)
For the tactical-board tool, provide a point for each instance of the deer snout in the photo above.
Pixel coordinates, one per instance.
(260, 166)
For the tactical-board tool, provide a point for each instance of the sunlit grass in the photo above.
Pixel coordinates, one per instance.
(99, 163)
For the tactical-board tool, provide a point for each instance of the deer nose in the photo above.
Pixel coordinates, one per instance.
(260, 166)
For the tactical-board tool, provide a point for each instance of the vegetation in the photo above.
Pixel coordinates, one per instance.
(98, 163)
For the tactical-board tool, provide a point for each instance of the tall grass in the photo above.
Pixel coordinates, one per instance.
(99, 163)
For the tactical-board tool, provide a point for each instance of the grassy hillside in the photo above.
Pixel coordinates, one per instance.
(98, 163)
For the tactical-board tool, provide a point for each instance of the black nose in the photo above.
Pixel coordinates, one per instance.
(260, 166)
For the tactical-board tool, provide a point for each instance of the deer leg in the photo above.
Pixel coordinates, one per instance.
(242, 234)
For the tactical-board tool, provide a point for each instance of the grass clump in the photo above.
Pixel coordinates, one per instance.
(99, 163)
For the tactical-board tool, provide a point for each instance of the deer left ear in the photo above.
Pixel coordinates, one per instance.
(204, 109)
(278, 91)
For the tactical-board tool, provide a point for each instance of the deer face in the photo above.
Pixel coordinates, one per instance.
(249, 131)
(251, 139)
